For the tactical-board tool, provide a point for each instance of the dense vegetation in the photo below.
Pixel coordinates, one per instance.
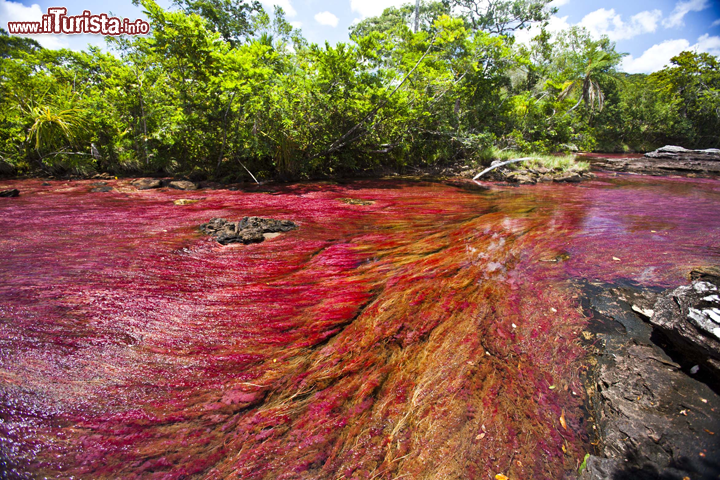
(220, 89)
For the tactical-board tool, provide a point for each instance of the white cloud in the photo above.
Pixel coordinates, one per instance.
(607, 22)
(297, 25)
(326, 18)
(655, 57)
(715, 23)
(708, 44)
(287, 7)
(559, 3)
(17, 12)
(658, 56)
(373, 8)
(683, 8)
(555, 25)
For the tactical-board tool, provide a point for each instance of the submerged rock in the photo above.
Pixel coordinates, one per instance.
(356, 201)
(10, 193)
(146, 183)
(247, 230)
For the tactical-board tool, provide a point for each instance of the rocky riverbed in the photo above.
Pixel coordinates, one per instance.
(668, 160)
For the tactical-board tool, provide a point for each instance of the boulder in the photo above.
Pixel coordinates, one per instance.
(247, 230)
(10, 193)
(689, 317)
(183, 185)
(146, 183)
(102, 189)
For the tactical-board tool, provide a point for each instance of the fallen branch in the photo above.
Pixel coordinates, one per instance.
(246, 169)
(502, 164)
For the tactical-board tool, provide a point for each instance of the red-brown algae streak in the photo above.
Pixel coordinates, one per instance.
(432, 334)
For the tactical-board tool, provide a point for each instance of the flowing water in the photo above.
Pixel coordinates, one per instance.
(434, 333)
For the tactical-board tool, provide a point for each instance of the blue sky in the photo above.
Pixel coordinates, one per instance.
(650, 31)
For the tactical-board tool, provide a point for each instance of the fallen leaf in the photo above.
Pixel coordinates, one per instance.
(500, 476)
(552, 387)
(562, 420)
(480, 437)
(616, 259)
(708, 431)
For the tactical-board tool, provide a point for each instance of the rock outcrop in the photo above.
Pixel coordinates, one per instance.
(689, 317)
(532, 176)
(146, 183)
(10, 193)
(652, 417)
(668, 160)
(247, 230)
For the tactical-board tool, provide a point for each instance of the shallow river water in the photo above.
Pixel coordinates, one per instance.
(435, 333)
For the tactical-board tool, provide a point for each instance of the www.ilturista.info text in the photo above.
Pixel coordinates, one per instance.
(57, 21)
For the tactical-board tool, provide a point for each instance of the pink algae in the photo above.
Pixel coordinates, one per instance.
(431, 334)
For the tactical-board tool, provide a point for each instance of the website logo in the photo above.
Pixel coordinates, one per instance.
(57, 21)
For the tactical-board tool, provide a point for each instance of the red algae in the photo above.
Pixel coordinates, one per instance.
(433, 333)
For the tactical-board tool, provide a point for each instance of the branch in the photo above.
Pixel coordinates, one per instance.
(502, 164)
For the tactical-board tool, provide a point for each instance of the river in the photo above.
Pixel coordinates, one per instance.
(433, 333)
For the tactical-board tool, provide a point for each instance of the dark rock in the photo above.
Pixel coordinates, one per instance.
(102, 189)
(46, 184)
(247, 230)
(146, 183)
(183, 185)
(652, 420)
(689, 317)
(10, 193)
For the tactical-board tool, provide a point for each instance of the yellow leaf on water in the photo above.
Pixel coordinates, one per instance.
(616, 259)
(562, 420)
(500, 476)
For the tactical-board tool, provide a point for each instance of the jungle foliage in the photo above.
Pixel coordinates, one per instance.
(220, 88)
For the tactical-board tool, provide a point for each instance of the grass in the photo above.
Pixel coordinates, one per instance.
(564, 163)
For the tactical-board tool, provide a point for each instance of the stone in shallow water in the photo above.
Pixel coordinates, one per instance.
(146, 183)
(10, 193)
(247, 230)
(183, 185)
